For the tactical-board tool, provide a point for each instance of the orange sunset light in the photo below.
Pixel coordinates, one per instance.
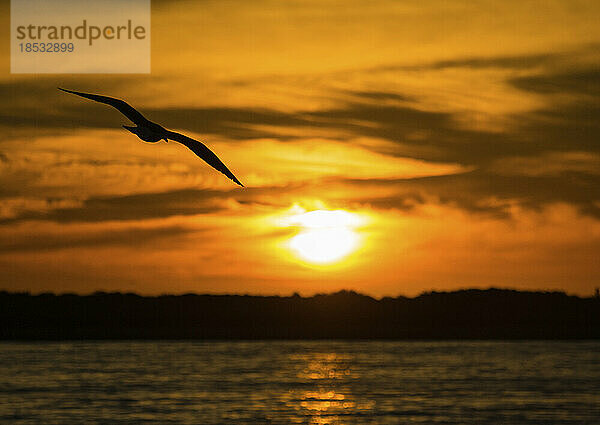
(388, 147)
(324, 237)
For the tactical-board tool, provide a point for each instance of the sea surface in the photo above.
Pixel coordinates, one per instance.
(316, 382)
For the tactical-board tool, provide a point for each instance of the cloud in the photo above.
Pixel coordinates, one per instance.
(132, 237)
(11, 208)
(550, 164)
(405, 133)
(487, 192)
(118, 208)
(96, 163)
(105, 175)
(379, 96)
(578, 82)
(275, 163)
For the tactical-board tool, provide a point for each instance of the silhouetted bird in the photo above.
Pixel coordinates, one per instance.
(152, 132)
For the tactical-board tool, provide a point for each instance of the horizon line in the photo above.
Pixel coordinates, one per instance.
(296, 294)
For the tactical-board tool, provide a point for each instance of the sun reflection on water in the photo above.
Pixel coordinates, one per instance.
(329, 397)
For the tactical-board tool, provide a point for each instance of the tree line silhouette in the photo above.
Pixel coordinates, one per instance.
(465, 314)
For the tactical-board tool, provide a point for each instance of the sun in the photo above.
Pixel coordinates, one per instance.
(324, 236)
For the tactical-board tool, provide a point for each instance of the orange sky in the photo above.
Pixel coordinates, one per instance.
(463, 136)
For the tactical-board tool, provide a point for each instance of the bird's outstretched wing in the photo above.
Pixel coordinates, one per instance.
(119, 104)
(204, 153)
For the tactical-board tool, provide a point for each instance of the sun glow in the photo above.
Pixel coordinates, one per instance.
(325, 236)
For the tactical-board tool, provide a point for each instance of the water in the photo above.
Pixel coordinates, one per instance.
(300, 382)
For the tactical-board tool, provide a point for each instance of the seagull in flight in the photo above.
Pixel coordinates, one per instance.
(152, 132)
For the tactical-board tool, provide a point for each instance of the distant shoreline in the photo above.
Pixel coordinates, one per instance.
(471, 314)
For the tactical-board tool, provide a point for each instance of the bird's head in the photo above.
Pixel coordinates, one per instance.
(133, 129)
